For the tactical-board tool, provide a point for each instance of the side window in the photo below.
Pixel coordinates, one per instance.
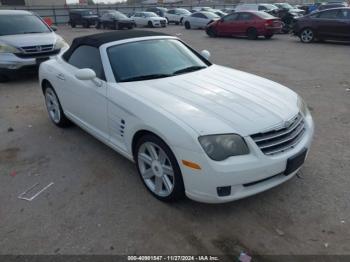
(231, 17)
(245, 16)
(200, 15)
(344, 14)
(87, 57)
(261, 7)
(171, 12)
(196, 15)
(329, 14)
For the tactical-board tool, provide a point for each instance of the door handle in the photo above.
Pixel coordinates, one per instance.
(60, 76)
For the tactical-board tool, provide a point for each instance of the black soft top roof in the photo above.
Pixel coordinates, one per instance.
(97, 40)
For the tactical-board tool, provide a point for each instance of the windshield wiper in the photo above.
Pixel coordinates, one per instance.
(188, 69)
(145, 77)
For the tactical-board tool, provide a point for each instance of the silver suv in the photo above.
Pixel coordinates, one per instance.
(25, 41)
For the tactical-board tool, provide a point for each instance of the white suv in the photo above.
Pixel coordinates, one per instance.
(176, 15)
(25, 41)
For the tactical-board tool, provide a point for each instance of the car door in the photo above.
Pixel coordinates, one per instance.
(170, 15)
(343, 18)
(227, 25)
(244, 21)
(136, 18)
(202, 20)
(327, 24)
(85, 100)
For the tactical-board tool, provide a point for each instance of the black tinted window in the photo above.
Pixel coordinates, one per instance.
(245, 16)
(344, 14)
(330, 14)
(199, 15)
(231, 17)
(87, 57)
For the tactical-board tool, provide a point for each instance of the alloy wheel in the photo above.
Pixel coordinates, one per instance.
(52, 105)
(156, 169)
(307, 35)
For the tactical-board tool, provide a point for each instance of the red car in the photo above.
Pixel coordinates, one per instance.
(246, 23)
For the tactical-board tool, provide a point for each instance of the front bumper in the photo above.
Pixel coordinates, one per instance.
(11, 63)
(246, 175)
(159, 23)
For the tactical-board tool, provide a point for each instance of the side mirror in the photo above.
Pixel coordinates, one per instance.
(54, 28)
(85, 74)
(205, 54)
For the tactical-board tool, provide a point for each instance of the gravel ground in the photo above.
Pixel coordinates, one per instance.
(98, 205)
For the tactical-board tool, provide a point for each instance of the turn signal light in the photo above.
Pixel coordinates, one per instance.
(191, 164)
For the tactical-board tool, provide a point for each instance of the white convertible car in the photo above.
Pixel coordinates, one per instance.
(193, 128)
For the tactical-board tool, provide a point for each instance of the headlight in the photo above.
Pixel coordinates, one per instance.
(303, 107)
(60, 43)
(220, 147)
(8, 49)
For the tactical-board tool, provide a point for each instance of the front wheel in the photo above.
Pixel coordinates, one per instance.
(211, 32)
(150, 24)
(307, 35)
(158, 169)
(268, 36)
(187, 25)
(54, 108)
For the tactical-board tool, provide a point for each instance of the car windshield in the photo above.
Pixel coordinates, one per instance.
(151, 59)
(150, 14)
(22, 24)
(265, 15)
(183, 11)
(118, 15)
(270, 7)
(286, 6)
(210, 15)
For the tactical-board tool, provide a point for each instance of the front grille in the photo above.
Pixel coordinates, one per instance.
(38, 55)
(37, 49)
(282, 139)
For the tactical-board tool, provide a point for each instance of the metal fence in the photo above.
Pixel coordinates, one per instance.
(60, 14)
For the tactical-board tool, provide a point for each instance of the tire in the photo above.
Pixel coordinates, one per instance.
(252, 34)
(98, 25)
(187, 25)
(73, 25)
(268, 36)
(177, 23)
(150, 24)
(54, 107)
(307, 35)
(211, 32)
(181, 20)
(130, 27)
(86, 24)
(163, 179)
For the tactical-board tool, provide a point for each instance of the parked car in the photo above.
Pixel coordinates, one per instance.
(200, 19)
(228, 10)
(161, 11)
(176, 15)
(149, 19)
(220, 13)
(289, 8)
(268, 8)
(201, 8)
(25, 41)
(115, 20)
(192, 127)
(83, 17)
(251, 24)
(331, 24)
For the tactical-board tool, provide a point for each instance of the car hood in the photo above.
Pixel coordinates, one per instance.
(220, 100)
(156, 18)
(30, 39)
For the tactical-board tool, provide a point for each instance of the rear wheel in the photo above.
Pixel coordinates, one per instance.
(268, 36)
(158, 168)
(187, 25)
(54, 107)
(252, 34)
(150, 24)
(307, 35)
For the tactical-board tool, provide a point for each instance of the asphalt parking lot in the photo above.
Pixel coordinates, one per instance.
(98, 205)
